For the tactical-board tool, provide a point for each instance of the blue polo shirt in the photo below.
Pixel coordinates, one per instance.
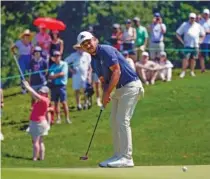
(58, 68)
(107, 56)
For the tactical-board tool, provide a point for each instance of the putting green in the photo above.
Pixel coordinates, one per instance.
(143, 172)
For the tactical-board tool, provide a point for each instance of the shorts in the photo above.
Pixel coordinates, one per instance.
(95, 78)
(36, 87)
(78, 82)
(205, 50)
(130, 48)
(190, 52)
(58, 93)
(37, 129)
(155, 49)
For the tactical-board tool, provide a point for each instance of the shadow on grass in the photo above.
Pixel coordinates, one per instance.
(13, 94)
(7, 155)
(15, 122)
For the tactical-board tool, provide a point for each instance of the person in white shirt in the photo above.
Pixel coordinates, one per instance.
(80, 68)
(128, 39)
(147, 69)
(205, 45)
(165, 67)
(129, 60)
(193, 34)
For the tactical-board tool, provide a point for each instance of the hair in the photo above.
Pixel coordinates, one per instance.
(51, 35)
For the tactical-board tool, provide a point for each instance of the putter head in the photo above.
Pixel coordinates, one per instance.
(84, 158)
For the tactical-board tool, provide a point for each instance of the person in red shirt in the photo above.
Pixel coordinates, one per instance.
(38, 126)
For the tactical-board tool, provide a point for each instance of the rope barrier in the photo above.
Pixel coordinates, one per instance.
(135, 49)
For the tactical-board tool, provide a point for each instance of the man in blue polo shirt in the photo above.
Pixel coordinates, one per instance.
(114, 72)
(58, 73)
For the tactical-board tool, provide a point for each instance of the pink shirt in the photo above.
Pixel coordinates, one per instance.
(40, 109)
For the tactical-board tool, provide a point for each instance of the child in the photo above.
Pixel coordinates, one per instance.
(38, 68)
(38, 126)
(165, 72)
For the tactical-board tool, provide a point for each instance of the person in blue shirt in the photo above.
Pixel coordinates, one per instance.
(114, 72)
(58, 74)
(38, 70)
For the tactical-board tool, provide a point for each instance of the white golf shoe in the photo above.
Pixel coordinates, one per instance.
(182, 74)
(192, 73)
(104, 163)
(121, 162)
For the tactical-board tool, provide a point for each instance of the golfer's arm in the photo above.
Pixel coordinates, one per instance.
(114, 78)
(34, 93)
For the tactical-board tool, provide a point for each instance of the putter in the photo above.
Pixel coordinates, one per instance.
(86, 154)
(21, 73)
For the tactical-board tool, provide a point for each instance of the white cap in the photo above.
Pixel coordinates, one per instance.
(56, 53)
(85, 35)
(136, 19)
(163, 54)
(44, 89)
(193, 15)
(206, 11)
(37, 49)
(145, 54)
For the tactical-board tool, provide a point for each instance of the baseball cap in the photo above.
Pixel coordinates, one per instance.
(125, 52)
(44, 89)
(136, 19)
(85, 35)
(128, 21)
(163, 54)
(56, 53)
(37, 49)
(206, 11)
(145, 54)
(157, 14)
(192, 15)
(116, 26)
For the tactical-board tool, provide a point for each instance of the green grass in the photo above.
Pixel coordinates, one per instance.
(170, 127)
(163, 172)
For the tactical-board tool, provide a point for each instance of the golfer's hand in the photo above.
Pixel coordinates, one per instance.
(106, 99)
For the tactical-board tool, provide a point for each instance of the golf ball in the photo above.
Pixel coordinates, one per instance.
(184, 169)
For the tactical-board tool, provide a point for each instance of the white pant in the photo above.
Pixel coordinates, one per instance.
(78, 82)
(165, 74)
(123, 104)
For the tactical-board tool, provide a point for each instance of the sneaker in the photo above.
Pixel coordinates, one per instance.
(28, 129)
(85, 106)
(121, 162)
(192, 73)
(98, 101)
(1, 137)
(68, 121)
(152, 82)
(147, 83)
(79, 107)
(58, 121)
(105, 163)
(182, 74)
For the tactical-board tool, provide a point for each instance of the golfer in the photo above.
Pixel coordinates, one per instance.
(115, 72)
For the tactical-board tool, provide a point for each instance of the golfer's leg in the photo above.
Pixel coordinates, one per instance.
(36, 147)
(126, 106)
(115, 127)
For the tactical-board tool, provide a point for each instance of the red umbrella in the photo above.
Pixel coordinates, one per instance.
(50, 23)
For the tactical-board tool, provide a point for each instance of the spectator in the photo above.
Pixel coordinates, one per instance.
(56, 44)
(2, 105)
(38, 69)
(59, 76)
(192, 31)
(80, 68)
(147, 69)
(157, 31)
(205, 45)
(129, 60)
(116, 37)
(24, 48)
(141, 37)
(198, 18)
(38, 124)
(43, 40)
(165, 70)
(128, 38)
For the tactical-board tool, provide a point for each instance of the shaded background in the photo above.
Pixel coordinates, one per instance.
(79, 15)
